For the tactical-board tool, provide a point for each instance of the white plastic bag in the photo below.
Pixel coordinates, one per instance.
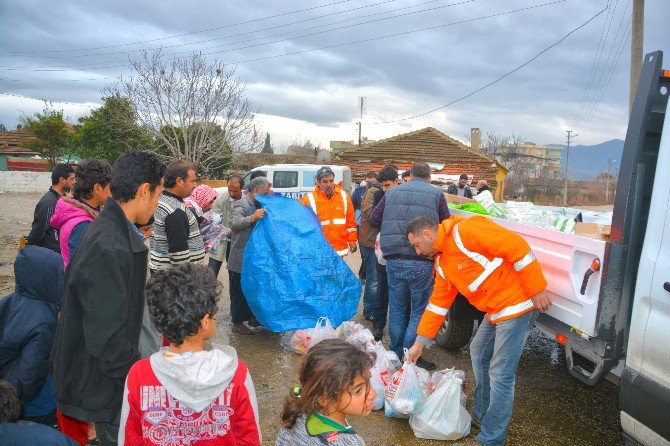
(364, 340)
(322, 330)
(378, 251)
(380, 374)
(440, 376)
(348, 328)
(404, 393)
(443, 417)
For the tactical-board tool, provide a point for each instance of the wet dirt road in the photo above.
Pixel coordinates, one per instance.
(550, 407)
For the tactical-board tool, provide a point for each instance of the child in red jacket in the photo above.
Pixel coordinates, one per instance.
(184, 394)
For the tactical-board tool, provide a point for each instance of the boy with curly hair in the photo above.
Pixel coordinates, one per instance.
(185, 394)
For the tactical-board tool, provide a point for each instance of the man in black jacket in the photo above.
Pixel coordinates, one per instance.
(99, 328)
(41, 233)
(461, 189)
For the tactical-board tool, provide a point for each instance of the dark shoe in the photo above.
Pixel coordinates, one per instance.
(241, 329)
(253, 322)
(378, 334)
(425, 364)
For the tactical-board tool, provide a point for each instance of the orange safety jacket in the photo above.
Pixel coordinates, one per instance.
(337, 217)
(491, 266)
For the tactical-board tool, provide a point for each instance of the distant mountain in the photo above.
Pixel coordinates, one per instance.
(587, 162)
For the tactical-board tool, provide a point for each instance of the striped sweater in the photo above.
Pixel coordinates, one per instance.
(176, 237)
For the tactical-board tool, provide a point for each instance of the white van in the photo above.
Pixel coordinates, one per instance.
(295, 180)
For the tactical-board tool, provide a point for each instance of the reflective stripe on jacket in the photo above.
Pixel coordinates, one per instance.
(493, 267)
(337, 217)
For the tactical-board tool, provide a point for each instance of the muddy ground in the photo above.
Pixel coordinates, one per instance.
(551, 408)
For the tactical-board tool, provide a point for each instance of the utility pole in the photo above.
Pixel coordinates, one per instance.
(607, 187)
(360, 123)
(567, 163)
(636, 44)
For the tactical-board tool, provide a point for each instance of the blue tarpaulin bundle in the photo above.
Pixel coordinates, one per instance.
(291, 275)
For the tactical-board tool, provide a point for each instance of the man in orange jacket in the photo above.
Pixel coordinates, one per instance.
(494, 269)
(335, 211)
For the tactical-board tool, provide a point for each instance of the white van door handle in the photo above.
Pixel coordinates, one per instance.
(666, 286)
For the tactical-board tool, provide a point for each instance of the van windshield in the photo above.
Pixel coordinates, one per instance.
(285, 179)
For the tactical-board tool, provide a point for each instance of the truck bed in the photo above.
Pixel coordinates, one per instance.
(564, 259)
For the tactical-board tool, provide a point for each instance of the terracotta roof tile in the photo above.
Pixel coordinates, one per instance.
(428, 145)
(10, 142)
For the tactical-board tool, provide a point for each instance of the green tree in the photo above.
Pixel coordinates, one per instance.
(267, 148)
(111, 130)
(3, 128)
(51, 133)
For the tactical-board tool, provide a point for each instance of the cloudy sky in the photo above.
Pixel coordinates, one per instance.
(307, 63)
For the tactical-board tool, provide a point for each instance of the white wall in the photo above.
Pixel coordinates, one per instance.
(15, 181)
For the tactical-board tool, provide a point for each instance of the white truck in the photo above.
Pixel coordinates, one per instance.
(611, 299)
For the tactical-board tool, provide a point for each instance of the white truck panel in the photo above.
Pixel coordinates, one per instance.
(564, 259)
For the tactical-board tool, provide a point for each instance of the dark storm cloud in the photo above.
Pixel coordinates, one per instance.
(400, 76)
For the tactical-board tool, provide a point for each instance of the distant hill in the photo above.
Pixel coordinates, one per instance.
(587, 162)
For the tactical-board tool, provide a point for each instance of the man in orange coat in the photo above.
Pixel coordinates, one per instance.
(494, 269)
(335, 211)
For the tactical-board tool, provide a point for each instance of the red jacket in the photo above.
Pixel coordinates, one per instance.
(152, 416)
(493, 267)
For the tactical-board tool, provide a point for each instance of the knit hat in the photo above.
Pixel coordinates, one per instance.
(324, 171)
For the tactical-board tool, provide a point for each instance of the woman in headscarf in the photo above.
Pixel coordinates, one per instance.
(200, 203)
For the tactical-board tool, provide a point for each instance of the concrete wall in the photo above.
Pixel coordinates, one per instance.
(15, 181)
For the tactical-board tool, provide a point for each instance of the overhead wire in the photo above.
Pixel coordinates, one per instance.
(609, 76)
(610, 63)
(245, 22)
(350, 25)
(596, 60)
(507, 74)
(329, 46)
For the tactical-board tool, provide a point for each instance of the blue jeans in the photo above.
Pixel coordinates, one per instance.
(495, 351)
(369, 265)
(410, 283)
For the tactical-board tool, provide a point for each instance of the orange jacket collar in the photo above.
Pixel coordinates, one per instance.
(443, 231)
(336, 190)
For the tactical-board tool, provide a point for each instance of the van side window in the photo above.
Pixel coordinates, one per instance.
(284, 179)
(308, 178)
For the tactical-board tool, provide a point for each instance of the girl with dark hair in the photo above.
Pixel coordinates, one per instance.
(334, 383)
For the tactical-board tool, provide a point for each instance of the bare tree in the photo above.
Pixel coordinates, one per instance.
(193, 109)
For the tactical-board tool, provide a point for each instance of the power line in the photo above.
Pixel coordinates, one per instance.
(44, 100)
(600, 90)
(162, 47)
(336, 45)
(183, 34)
(610, 75)
(596, 60)
(350, 25)
(473, 92)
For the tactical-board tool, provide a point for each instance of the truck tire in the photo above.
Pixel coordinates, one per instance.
(454, 334)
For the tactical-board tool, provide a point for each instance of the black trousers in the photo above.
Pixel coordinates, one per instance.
(382, 298)
(239, 308)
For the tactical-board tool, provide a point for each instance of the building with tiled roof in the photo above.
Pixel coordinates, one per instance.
(447, 157)
(10, 146)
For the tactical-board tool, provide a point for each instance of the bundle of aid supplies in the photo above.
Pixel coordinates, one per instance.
(435, 405)
(560, 219)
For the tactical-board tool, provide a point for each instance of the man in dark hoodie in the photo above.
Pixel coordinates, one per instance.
(28, 320)
(98, 333)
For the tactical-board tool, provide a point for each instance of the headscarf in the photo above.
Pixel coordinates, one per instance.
(200, 197)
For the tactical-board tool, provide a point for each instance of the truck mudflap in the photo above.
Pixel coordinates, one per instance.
(601, 366)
